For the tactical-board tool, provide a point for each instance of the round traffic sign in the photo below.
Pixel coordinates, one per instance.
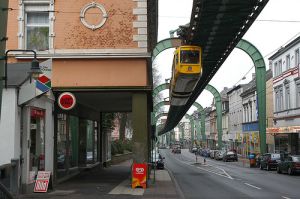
(66, 101)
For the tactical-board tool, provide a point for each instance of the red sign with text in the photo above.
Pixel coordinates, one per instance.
(42, 181)
(66, 101)
(139, 175)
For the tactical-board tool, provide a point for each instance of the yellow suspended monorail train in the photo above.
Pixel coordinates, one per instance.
(186, 71)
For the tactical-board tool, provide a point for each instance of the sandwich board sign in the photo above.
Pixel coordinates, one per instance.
(42, 181)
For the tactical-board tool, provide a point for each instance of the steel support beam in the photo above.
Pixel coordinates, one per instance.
(218, 104)
(202, 120)
(260, 72)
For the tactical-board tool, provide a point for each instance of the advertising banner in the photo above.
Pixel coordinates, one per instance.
(139, 175)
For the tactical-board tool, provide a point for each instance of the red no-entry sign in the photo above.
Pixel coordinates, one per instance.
(66, 101)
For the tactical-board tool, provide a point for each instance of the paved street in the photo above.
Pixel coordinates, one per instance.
(222, 180)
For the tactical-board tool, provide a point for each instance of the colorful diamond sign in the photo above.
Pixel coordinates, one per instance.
(43, 83)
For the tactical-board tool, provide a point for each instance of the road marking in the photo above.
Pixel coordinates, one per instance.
(226, 175)
(250, 185)
(285, 197)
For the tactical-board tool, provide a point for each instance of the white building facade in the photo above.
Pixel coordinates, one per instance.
(235, 117)
(286, 86)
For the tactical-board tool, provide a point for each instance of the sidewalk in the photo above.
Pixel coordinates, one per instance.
(110, 183)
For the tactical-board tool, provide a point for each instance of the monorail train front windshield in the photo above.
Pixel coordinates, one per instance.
(189, 57)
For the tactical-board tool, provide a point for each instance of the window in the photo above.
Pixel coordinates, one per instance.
(275, 69)
(278, 99)
(281, 99)
(298, 95)
(297, 58)
(279, 67)
(287, 97)
(35, 24)
(288, 62)
(37, 31)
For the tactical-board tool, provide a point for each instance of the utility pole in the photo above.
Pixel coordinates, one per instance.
(3, 38)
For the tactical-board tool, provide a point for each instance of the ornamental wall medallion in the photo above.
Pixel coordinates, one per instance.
(93, 15)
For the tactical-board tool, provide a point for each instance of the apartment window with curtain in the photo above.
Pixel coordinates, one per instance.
(288, 62)
(37, 31)
(36, 25)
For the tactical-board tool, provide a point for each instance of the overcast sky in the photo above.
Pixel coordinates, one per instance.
(267, 36)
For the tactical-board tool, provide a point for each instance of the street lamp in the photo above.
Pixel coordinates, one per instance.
(35, 66)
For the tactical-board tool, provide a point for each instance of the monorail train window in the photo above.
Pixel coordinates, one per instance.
(177, 60)
(189, 56)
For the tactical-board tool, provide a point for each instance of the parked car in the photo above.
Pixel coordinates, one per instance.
(269, 161)
(158, 161)
(289, 164)
(219, 155)
(212, 154)
(230, 156)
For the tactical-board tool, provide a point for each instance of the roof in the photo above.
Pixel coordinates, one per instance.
(17, 73)
(251, 86)
(285, 48)
(235, 88)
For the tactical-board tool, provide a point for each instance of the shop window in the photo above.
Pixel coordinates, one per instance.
(61, 142)
(67, 143)
(90, 143)
(37, 140)
(96, 142)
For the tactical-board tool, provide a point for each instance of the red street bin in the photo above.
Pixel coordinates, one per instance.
(252, 160)
(139, 175)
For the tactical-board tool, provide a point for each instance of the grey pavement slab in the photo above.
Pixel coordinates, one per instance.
(110, 183)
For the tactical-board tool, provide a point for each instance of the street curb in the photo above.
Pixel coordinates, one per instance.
(178, 189)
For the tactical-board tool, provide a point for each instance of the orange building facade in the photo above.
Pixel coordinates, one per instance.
(100, 51)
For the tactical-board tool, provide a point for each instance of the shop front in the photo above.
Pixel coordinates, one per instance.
(77, 144)
(287, 139)
(37, 140)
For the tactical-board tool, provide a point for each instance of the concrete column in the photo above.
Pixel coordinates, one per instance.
(140, 127)
(3, 25)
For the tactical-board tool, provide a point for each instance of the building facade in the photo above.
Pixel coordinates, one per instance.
(226, 137)
(101, 52)
(250, 115)
(235, 117)
(286, 86)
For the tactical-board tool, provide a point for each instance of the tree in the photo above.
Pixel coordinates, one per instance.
(156, 82)
(122, 118)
